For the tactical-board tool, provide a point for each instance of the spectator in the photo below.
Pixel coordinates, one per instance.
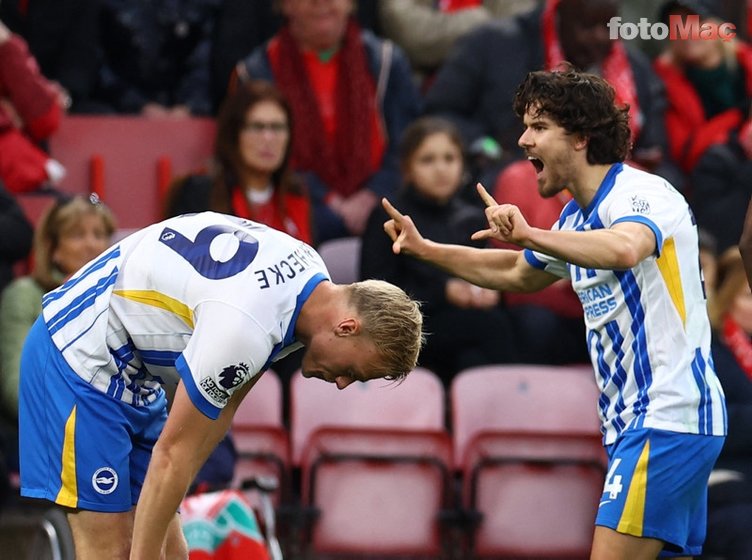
(427, 29)
(71, 233)
(476, 85)
(15, 235)
(708, 87)
(252, 178)
(63, 37)
(30, 110)
(730, 487)
(468, 326)
(351, 96)
(156, 57)
(242, 26)
(745, 243)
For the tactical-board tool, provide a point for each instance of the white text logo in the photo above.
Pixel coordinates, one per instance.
(678, 29)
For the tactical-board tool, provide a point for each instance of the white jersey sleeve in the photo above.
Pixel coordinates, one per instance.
(217, 361)
(651, 202)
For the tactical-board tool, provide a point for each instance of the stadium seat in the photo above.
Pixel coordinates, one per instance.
(261, 438)
(130, 160)
(527, 440)
(375, 463)
(342, 258)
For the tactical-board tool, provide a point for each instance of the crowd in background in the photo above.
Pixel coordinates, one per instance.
(325, 106)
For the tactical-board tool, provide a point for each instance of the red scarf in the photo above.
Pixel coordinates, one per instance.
(456, 5)
(739, 343)
(615, 68)
(348, 161)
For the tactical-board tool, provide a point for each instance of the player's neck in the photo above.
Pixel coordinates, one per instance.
(321, 308)
(587, 182)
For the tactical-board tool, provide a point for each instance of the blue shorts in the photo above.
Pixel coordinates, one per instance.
(656, 487)
(79, 447)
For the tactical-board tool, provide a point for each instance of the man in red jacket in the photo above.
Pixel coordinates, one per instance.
(30, 110)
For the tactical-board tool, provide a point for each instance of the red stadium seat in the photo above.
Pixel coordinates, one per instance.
(342, 258)
(260, 436)
(375, 464)
(528, 442)
(129, 160)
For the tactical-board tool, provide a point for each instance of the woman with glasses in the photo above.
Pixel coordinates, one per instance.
(251, 177)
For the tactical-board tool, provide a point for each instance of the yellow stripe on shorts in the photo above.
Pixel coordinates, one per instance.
(633, 516)
(68, 495)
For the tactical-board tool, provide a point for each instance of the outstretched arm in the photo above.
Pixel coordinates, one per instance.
(745, 244)
(497, 269)
(620, 247)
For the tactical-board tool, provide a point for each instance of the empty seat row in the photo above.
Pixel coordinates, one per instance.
(519, 474)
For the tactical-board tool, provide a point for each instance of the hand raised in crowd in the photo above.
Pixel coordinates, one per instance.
(5, 33)
(461, 293)
(63, 98)
(505, 221)
(355, 210)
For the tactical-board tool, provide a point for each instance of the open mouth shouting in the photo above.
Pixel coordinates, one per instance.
(537, 163)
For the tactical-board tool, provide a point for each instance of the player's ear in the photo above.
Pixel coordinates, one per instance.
(581, 142)
(347, 327)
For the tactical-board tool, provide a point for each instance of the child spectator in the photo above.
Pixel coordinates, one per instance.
(467, 325)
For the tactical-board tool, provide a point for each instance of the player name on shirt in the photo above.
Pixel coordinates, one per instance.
(288, 268)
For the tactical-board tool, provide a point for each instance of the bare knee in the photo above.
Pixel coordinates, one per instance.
(98, 535)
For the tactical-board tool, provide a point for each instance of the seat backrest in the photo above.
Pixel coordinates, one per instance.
(342, 258)
(127, 159)
(262, 406)
(522, 398)
(417, 403)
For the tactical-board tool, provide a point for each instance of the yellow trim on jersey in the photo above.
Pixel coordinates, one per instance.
(156, 299)
(68, 495)
(633, 515)
(668, 264)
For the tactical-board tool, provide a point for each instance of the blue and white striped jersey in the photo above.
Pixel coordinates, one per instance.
(207, 298)
(648, 332)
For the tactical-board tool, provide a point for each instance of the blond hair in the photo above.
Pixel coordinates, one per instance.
(53, 225)
(394, 323)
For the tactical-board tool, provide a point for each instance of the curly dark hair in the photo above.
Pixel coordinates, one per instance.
(582, 104)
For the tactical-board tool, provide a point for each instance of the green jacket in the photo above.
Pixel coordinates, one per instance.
(20, 306)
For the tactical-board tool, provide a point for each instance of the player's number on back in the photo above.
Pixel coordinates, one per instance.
(198, 252)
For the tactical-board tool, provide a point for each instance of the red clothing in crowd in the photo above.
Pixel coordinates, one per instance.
(294, 220)
(689, 131)
(517, 185)
(29, 113)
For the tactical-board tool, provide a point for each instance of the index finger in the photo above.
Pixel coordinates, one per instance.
(391, 210)
(487, 198)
